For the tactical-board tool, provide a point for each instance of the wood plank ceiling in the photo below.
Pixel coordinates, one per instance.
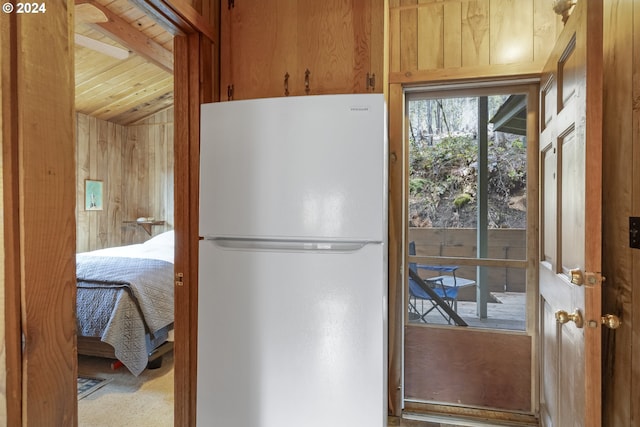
(133, 78)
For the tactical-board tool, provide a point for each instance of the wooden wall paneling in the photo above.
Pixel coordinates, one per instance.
(98, 146)
(430, 35)
(452, 42)
(82, 173)
(136, 191)
(396, 295)
(475, 33)
(154, 170)
(148, 161)
(511, 34)
(170, 196)
(135, 164)
(92, 162)
(113, 185)
(620, 161)
(136, 198)
(395, 46)
(408, 37)
(546, 26)
(162, 178)
(158, 185)
(448, 40)
(102, 172)
(141, 203)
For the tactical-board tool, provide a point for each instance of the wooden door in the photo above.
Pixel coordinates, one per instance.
(571, 195)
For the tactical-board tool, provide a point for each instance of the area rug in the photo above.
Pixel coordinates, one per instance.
(87, 385)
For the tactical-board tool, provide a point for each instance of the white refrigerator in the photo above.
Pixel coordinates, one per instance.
(292, 297)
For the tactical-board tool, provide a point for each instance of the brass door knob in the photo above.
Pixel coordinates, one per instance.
(563, 317)
(611, 321)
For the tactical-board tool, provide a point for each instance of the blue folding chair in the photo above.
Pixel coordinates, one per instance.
(448, 294)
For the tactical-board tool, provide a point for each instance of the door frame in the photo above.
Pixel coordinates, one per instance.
(40, 374)
(196, 66)
(38, 278)
(398, 235)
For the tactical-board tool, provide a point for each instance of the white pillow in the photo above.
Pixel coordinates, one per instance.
(163, 239)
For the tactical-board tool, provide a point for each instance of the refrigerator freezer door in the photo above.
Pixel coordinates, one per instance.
(291, 338)
(295, 167)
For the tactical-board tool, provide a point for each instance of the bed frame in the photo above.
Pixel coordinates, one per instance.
(92, 346)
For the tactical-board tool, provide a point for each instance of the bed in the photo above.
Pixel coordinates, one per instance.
(125, 302)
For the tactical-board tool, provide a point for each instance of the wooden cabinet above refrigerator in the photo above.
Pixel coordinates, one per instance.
(276, 48)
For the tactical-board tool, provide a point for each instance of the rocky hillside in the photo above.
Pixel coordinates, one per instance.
(443, 182)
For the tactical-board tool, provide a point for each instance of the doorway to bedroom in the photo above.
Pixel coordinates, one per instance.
(125, 205)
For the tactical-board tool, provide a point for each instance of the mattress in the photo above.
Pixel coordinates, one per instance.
(125, 298)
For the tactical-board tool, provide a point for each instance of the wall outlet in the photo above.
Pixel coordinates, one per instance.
(634, 232)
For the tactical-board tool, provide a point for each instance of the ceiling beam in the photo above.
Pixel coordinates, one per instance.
(176, 16)
(121, 31)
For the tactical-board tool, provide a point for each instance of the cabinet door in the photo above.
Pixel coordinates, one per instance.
(340, 42)
(335, 44)
(258, 47)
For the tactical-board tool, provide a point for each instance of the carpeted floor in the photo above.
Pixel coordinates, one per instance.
(126, 400)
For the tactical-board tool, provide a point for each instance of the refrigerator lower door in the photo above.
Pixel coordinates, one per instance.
(291, 338)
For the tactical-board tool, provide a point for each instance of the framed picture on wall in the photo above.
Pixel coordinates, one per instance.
(93, 195)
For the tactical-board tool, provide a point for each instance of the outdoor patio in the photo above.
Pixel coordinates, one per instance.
(506, 311)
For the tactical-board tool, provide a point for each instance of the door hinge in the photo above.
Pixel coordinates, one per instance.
(232, 4)
(371, 81)
(230, 93)
(179, 279)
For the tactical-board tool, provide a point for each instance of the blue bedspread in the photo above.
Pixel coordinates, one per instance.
(120, 300)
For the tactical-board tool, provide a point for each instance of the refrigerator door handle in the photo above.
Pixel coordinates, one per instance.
(289, 245)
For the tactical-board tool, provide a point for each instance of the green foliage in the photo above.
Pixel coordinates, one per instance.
(461, 200)
(448, 170)
(416, 185)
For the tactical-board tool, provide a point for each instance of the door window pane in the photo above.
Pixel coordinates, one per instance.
(467, 198)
